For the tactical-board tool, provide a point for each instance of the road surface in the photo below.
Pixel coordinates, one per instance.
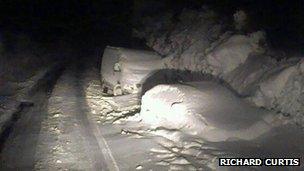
(61, 131)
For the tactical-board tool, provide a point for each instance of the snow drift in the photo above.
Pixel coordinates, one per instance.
(243, 109)
(283, 91)
(199, 41)
(166, 36)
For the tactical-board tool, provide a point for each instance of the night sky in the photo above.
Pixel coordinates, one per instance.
(110, 21)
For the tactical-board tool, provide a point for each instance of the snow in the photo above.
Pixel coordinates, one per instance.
(273, 86)
(124, 70)
(233, 52)
(202, 121)
(247, 108)
(219, 58)
(245, 78)
(15, 94)
(193, 26)
(194, 109)
(242, 60)
(134, 73)
(283, 92)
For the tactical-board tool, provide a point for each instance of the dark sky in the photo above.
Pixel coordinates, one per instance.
(74, 21)
(105, 21)
(283, 20)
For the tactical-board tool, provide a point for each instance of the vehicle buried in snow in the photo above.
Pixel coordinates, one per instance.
(123, 70)
(205, 109)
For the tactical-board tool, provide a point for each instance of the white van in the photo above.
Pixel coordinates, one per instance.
(123, 71)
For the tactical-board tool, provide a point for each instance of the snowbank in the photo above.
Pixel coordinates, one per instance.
(252, 104)
(283, 91)
(166, 36)
(222, 57)
(233, 52)
(9, 105)
(204, 109)
(246, 77)
(199, 41)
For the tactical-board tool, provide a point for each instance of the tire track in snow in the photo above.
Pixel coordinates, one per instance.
(96, 143)
(103, 145)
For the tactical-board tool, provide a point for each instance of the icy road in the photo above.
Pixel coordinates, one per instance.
(70, 127)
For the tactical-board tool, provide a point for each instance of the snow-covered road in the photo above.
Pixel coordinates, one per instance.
(64, 130)
(70, 127)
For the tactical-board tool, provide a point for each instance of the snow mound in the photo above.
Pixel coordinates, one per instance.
(166, 36)
(283, 92)
(199, 41)
(246, 77)
(204, 109)
(233, 52)
(219, 58)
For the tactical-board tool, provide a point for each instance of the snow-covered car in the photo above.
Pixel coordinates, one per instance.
(205, 109)
(123, 70)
